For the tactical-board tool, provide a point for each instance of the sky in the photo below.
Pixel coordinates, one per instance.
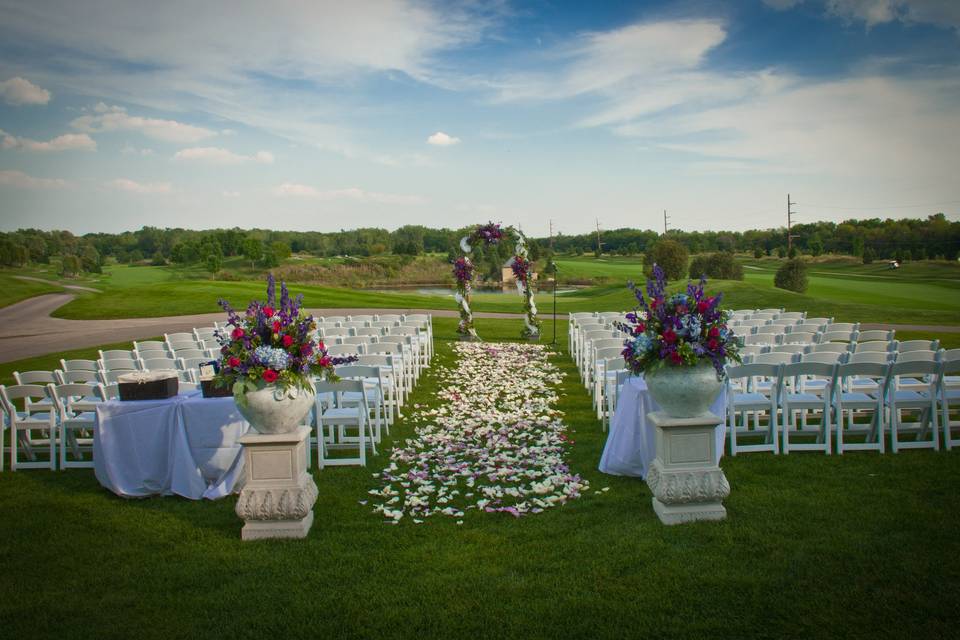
(116, 114)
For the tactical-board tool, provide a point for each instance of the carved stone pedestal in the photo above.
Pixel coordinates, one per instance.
(277, 500)
(686, 482)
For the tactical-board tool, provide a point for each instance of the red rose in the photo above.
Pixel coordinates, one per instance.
(276, 327)
(237, 333)
(325, 361)
(321, 346)
(702, 306)
(712, 344)
(714, 332)
(675, 357)
(669, 336)
(269, 376)
(268, 311)
(234, 361)
(287, 341)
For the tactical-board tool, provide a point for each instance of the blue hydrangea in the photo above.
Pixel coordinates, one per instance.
(272, 357)
(642, 343)
(689, 326)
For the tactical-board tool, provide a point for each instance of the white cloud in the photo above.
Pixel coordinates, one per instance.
(23, 181)
(20, 91)
(352, 193)
(66, 142)
(145, 188)
(942, 13)
(130, 150)
(114, 118)
(441, 139)
(217, 155)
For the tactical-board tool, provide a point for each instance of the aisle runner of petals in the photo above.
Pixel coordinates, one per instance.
(495, 443)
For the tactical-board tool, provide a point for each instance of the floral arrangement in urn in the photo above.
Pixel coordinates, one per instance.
(272, 343)
(683, 329)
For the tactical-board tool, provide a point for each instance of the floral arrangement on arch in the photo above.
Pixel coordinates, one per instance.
(677, 330)
(491, 234)
(272, 343)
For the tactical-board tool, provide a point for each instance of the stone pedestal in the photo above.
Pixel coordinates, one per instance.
(686, 482)
(277, 499)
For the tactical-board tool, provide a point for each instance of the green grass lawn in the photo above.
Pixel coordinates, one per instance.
(814, 546)
(15, 289)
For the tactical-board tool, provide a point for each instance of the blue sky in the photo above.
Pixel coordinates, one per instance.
(330, 115)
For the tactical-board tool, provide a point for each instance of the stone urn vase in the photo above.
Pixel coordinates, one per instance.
(273, 409)
(684, 391)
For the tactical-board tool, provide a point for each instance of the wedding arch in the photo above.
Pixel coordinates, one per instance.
(492, 234)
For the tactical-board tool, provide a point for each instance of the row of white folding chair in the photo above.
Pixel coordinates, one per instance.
(339, 406)
(590, 334)
(402, 360)
(67, 422)
(837, 393)
(577, 322)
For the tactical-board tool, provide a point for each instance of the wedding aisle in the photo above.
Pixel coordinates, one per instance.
(495, 443)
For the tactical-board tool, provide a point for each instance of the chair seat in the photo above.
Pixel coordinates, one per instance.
(805, 399)
(905, 396)
(341, 413)
(751, 400)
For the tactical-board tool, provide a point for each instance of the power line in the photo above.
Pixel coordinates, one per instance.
(889, 206)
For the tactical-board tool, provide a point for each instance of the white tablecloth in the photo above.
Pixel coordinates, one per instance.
(631, 443)
(186, 445)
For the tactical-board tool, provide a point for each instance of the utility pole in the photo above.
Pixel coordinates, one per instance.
(599, 244)
(666, 222)
(790, 214)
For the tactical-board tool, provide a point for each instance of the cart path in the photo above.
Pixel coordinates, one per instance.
(27, 329)
(75, 287)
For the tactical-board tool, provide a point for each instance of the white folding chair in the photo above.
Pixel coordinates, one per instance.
(854, 399)
(118, 354)
(875, 335)
(42, 378)
(73, 377)
(76, 406)
(924, 402)
(387, 373)
(745, 400)
(150, 349)
(805, 401)
(907, 346)
(949, 396)
(153, 364)
(337, 419)
(875, 346)
(23, 425)
(79, 365)
(375, 394)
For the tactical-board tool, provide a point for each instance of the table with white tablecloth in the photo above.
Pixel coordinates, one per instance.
(186, 445)
(631, 443)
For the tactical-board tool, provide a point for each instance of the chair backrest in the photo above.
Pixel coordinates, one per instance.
(773, 310)
(802, 370)
(149, 346)
(354, 324)
(874, 357)
(838, 336)
(384, 324)
(405, 331)
(800, 337)
(753, 370)
(344, 349)
(64, 394)
(820, 321)
(875, 370)
(860, 347)
(753, 349)
(826, 357)
(70, 377)
(761, 338)
(950, 355)
(916, 368)
(764, 316)
(843, 326)
(184, 364)
(333, 319)
(369, 331)
(389, 317)
(772, 328)
(348, 371)
(918, 345)
(359, 340)
(360, 318)
(124, 364)
(789, 348)
(336, 331)
(872, 335)
(376, 360)
(114, 354)
(793, 315)
(604, 343)
(608, 352)
(110, 376)
(151, 364)
(79, 365)
(341, 386)
(190, 353)
(835, 347)
(34, 377)
(597, 335)
(807, 327)
(753, 323)
(775, 358)
(917, 356)
(181, 336)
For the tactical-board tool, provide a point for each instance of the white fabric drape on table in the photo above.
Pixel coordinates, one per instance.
(631, 443)
(186, 445)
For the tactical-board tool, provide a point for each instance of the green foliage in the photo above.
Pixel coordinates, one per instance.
(214, 263)
(720, 265)
(792, 276)
(252, 250)
(280, 249)
(70, 265)
(781, 252)
(869, 255)
(408, 240)
(158, 260)
(671, 256)
(757, 252)
(792, 252)
(815, 245)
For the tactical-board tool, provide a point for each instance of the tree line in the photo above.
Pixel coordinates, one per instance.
(906, 239)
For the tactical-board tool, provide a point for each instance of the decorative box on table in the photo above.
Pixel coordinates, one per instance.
(212, 391)
(148, 385)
